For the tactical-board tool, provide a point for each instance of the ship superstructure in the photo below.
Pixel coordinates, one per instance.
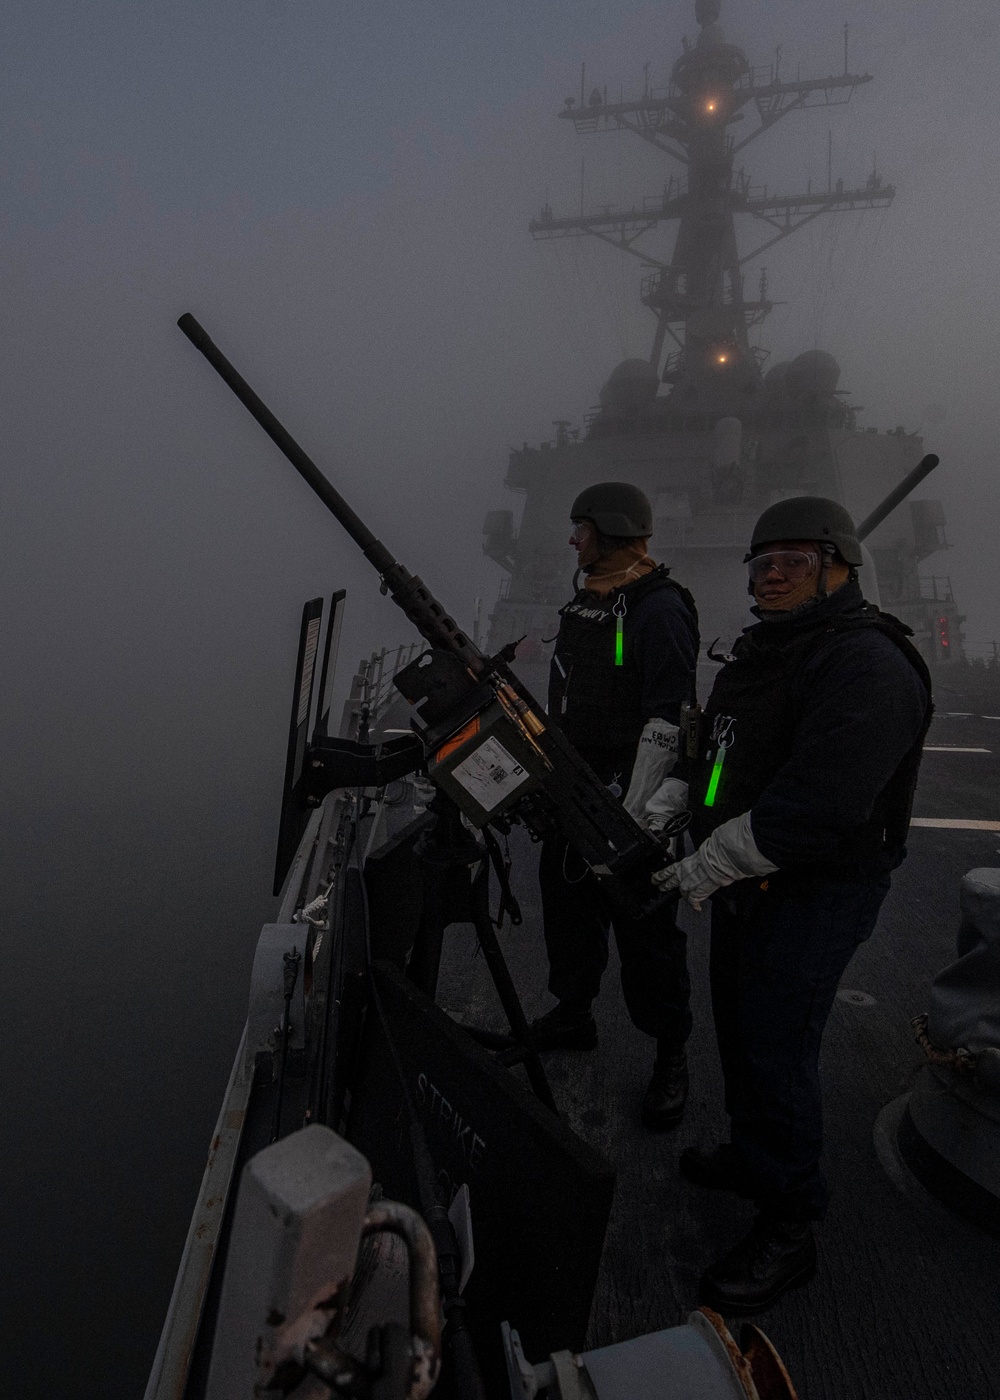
(709, 435)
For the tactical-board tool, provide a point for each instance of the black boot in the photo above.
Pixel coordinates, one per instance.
(663, 1105)
(715, 1168)
(565, 1027)
(775, 1256)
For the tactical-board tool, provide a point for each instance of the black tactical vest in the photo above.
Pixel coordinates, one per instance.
(593, 697)
(749, 724)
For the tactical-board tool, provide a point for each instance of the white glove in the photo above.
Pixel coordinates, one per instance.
(668, 799)
(654, 760)
(729, 854)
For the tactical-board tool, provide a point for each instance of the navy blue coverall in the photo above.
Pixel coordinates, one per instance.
(603, 710)
(825, 718)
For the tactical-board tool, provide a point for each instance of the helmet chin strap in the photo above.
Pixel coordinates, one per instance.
(826, 552)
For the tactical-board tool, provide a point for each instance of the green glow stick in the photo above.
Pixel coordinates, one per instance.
(713, 782)
(619, 641)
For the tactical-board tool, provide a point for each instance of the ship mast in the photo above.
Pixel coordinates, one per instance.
(702, 123)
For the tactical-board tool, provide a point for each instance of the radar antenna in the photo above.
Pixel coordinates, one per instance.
(715, 106)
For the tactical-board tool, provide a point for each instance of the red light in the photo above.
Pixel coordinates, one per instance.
(943, 637)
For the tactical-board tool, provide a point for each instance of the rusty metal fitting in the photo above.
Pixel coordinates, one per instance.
(425, 1300)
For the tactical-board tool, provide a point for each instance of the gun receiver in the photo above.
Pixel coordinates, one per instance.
(487, 741)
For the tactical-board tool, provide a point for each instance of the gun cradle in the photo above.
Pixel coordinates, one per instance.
(493, 767)
(340, 763)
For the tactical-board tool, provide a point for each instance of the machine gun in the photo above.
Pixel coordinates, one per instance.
(486, 742)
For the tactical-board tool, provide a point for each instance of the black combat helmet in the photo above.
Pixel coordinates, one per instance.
(616, 508)
(809, 518)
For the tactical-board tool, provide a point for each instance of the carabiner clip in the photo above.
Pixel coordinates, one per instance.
(723, 731)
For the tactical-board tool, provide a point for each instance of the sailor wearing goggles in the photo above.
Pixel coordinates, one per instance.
(800, 802)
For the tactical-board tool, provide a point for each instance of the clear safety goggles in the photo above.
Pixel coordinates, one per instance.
(793, 565)
(582, 532)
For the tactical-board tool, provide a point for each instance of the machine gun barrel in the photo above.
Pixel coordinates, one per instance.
(423, 610)
(488, 743)
(898, 493)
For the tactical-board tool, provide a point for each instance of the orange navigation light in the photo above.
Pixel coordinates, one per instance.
(721, 358)
(711, 105)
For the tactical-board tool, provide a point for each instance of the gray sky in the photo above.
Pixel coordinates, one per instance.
(340, 193)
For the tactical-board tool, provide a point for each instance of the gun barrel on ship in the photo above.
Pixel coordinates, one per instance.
(488, 743)
(898, 493)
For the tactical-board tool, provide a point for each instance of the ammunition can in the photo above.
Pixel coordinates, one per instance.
(486, 766)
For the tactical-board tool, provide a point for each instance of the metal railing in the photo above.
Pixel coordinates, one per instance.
(371, 689)
(982, 653)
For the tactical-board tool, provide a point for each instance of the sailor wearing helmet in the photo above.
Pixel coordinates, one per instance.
(800, 805)
(624, 663)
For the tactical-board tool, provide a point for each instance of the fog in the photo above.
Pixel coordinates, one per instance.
(340, 194)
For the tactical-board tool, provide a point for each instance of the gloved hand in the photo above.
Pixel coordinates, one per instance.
(667, 801)
(692, 877)
(654, 759)
(729, 854)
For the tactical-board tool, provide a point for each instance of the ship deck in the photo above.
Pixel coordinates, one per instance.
(905, 1302)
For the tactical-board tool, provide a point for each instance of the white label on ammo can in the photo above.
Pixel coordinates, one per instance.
(489, 774)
